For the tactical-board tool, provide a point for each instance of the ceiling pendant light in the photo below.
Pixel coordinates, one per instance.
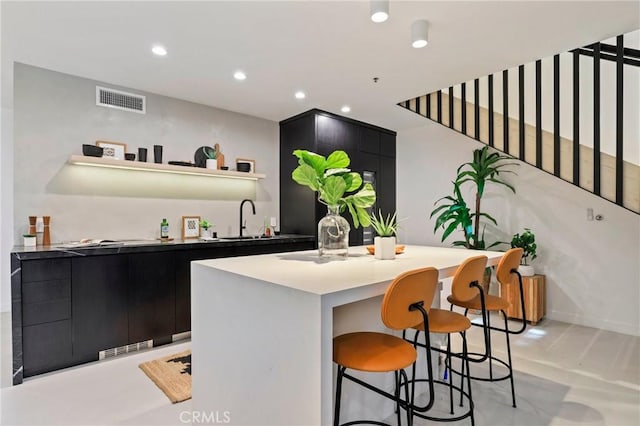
(419, 30)
(379, 10)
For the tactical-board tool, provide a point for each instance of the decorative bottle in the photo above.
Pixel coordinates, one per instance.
(333, 234)
(164, 229)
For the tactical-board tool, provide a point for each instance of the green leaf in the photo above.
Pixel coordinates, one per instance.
(363, 215)
(306, 175)
(318, 162)
(337, 160)
(452, 227)
(353, 181)
(364, 198)
(354, 214)
(334, 188)
(333, 172)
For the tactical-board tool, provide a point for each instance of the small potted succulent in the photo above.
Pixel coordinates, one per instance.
(527, 242)
(206, 225)
(386, 229)
(212, 157)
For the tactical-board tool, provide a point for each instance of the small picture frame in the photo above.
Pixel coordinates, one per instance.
(190, 227)
(113, 150)
(252, 163)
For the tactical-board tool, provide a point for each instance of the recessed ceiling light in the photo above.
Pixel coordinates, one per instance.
(300, 95)
(159, 50)
(239, 75)
(346, 108)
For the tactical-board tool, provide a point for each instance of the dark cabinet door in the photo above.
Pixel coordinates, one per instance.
(387, 185)
(369, 141)
(335, 134)
(297, 202)
(183, 283)
(152, 296)
(99, 304)
(46, 347)
(46, 315)
(387, 144)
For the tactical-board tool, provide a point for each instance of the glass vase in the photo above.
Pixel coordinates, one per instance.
(333, 234)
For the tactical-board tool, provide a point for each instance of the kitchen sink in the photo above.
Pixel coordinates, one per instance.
(244, 237)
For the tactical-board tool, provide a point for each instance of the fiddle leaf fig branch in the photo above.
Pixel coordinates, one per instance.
(331, 178)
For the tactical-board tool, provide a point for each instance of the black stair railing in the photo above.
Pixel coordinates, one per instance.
(627, 173)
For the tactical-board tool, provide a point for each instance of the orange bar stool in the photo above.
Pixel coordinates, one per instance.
(443, 321)
(506, 273)
(404, 305)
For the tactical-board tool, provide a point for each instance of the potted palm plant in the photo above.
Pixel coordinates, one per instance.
(331, 178)
(386, 229)
(452, 212)
(526, 241)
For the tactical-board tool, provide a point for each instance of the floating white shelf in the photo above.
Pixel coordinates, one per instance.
(82, 160)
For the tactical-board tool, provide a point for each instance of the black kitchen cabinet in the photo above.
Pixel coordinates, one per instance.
(152, 296)
(100, 304)
(372, 152)
(183, 271)
(46, 315)
(67, 306)
(183, 282)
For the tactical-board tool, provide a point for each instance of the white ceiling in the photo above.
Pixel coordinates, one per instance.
(329, 49)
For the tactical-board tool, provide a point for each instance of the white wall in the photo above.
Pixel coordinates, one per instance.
(592, 267)
(631, 107)
(54, 114)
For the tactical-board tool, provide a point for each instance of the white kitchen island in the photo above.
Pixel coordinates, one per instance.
(262, 330)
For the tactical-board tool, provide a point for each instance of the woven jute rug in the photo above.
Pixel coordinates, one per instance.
(172, 374)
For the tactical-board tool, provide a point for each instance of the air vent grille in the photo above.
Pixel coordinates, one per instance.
(134, 347)
(112, 98)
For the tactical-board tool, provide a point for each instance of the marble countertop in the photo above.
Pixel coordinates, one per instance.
(142, 246)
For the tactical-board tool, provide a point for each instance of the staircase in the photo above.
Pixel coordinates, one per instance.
(564, 115)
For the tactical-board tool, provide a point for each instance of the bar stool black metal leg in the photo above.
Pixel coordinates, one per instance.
(506, 328)
(397, 394)
(462, 367)
(449, 373)
(408, 397)
(489, 351)
(336, 415)
(465, 360)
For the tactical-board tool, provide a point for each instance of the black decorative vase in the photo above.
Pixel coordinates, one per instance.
(142, 154)
(157, 154)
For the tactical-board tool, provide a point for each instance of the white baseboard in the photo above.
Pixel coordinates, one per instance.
(595, 322)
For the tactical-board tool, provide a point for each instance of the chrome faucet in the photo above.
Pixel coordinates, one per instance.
(253, 207)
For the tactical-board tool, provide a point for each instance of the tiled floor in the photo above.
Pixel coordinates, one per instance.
(565, 375)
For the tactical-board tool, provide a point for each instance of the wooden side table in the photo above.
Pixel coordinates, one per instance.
(534, 298)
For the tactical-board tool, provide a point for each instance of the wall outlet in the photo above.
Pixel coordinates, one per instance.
(589, 214)
(273, 222)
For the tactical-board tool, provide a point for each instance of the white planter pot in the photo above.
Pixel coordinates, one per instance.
(526, 270)
(211, 163)
(385, 248)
